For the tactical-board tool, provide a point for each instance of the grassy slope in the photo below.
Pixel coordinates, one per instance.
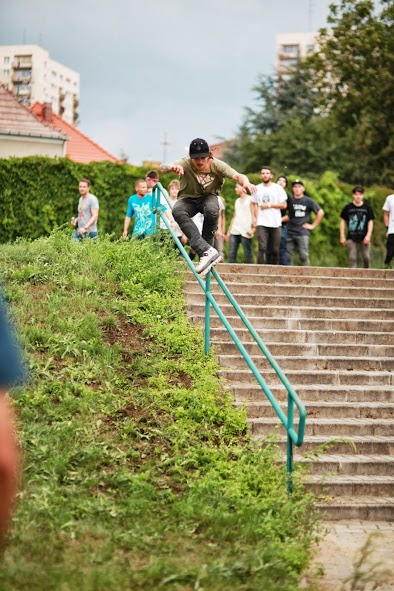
(138, 472)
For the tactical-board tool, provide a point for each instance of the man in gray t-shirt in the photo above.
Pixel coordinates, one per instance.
(88, 210)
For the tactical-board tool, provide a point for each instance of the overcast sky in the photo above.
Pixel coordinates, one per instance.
(184, 68)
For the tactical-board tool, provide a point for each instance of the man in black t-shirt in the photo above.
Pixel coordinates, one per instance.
(358, 216)
(299, 226)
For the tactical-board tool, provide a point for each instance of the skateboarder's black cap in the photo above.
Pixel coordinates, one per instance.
(199, 148)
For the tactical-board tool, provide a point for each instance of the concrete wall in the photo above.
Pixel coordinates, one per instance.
(19, 147)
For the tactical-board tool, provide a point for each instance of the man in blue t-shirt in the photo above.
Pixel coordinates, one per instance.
(140, 206)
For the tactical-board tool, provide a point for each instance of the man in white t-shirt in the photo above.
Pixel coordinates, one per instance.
(388, 216)
(267, 204)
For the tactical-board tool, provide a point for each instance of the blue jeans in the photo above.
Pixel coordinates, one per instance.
(186, 208)
(76, 237)
(301, 242)
(235, 241)
(282, 247)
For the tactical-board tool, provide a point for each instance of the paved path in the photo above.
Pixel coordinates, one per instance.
(337, 550)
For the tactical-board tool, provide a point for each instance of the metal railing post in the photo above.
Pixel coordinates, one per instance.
(290, 425)
(207, 332)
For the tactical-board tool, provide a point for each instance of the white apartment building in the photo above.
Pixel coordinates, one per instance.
(31, 75)
(291, 47)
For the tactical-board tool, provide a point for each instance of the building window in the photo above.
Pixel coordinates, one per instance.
(23, 75)
(289, 49)
(288, 63)
(6, 60)
(23, 88)
(6, 73)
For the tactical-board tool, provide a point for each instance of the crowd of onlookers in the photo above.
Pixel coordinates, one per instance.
(281, 218)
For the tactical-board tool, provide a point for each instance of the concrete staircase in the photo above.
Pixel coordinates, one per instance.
(332, 332)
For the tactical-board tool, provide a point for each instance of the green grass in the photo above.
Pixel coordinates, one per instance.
(139, 473)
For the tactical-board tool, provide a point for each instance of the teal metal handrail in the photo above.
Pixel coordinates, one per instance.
(293, 436)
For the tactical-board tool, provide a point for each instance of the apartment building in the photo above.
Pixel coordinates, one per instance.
(31, 75)
(291, 47)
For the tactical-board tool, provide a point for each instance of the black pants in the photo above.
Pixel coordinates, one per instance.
(186, 208)
(390, 249)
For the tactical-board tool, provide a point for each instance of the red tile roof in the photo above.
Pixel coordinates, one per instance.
(16, 119)
(79, 148)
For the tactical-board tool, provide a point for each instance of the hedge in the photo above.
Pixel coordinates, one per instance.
(38, 194)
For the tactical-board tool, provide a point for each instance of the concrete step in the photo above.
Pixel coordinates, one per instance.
(228, 347)
(362, 508)
(302, 272)
(320, 377)
(292, 301)
(297, 290)
(327, 410)
(196, 307)
(337, 427)
(352, 486)
(306, 324)
(353, 465)
(313, 280)
(287, 362)
(316, 444)
(320, 394)
(269, 335)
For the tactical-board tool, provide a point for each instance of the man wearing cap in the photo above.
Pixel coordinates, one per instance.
(201, 178)
(358, 216)
(299, 225)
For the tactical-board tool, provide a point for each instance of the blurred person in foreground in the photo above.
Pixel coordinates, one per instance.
(12, 373)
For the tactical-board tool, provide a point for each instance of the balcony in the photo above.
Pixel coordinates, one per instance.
(21, 80)
(20, 64)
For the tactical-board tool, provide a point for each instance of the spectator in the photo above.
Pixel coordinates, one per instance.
(240, 230)
(88, 210)
(152, 178)
(140, 205)
(202, 177)
(388, 216)
(358, 216)
(173, 190)
(298, 227)
(221, 231)
(266, 207)
(286, 214)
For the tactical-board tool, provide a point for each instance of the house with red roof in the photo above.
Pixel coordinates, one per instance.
(23, 134)
(79, 147)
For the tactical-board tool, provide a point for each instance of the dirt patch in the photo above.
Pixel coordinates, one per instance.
(126, 335)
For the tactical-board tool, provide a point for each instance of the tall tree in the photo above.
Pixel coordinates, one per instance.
(354, 72)
(335, 109)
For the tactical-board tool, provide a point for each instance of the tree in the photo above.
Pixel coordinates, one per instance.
(356, 55)
(334, 111)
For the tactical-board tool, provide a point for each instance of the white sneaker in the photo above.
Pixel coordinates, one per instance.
(208, 260)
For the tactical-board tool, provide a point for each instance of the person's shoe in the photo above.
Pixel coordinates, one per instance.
(208, 260)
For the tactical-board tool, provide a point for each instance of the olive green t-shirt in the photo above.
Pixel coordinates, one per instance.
(197, 184)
